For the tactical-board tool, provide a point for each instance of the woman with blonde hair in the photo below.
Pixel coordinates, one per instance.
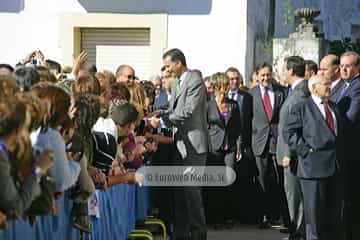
(225, 141)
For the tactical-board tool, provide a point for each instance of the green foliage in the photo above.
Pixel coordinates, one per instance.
(338, 47)
(289, 12)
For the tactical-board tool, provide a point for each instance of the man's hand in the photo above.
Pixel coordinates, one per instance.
(140, 139)
(78, 62)
(40, 57)
(151, 146)
(154, 122)
(134, 178)
(286, 162)
(139, 149)
(238, 156)
(28, 58)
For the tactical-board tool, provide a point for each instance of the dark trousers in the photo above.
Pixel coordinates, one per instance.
(162, 197)
(271, 179)
(220, 202)
(189, 216)
(323, 205)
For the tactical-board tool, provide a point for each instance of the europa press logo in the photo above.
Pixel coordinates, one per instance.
(216, 176)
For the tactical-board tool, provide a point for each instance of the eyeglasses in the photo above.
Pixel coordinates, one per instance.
(347, 65)
(129, 76)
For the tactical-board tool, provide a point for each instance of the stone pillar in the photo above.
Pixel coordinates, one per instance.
(305, 41)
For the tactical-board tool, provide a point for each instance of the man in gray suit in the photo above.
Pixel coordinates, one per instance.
(330, 68)
(187, 115)
(267, 100)
(293, 74)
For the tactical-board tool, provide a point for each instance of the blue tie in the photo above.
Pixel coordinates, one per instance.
(290, 90)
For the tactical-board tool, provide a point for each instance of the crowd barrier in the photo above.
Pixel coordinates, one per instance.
(119, 207)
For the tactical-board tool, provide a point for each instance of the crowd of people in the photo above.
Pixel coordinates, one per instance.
(292, 141)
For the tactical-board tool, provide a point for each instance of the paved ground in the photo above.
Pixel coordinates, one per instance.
(245, 232)
(242, 232)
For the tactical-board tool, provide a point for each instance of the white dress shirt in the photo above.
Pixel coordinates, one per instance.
(233, 95)
(270, 92)
(183, 77)
(319, 103)
(297, 82)
(334, 83)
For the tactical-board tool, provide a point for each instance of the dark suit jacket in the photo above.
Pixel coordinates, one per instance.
(335, 92)
(161, 99)
(349, 108)
(264, 132)
(224, 132)
(319, 151)
(245, 102)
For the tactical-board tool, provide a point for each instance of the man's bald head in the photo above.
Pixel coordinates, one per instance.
(125, 74)
(329, 67)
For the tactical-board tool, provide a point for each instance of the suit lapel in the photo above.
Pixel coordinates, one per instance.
(183, 85)
(229, 107)
(277, 101)
(316, 111)
(214, 113)
(259, 102)
(240, 100)
(337, 88)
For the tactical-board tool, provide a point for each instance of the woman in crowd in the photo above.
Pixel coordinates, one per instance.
(16, 195)
(225, 139)
(64, 171)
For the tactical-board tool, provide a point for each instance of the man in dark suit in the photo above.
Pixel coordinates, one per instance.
(161, 96)
(187, 115)
(267, 101)
(348, 104)
(314, 131)
(244, 100)
(293, 74)
(329, 68)
(246, 168)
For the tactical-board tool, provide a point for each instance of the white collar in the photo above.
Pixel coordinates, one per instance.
(270, 88)
(316, 99)
(183, 75)
(297, 82)
(334, 83)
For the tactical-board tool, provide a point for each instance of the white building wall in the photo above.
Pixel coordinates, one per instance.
(212, 33)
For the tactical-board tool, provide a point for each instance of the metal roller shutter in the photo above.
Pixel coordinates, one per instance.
(110, 47)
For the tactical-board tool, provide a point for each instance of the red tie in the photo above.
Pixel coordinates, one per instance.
(267, 103)
(328, 117)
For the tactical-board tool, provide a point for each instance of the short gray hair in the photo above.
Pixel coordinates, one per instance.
(154, 78)
(314, 80)
(352, 53)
